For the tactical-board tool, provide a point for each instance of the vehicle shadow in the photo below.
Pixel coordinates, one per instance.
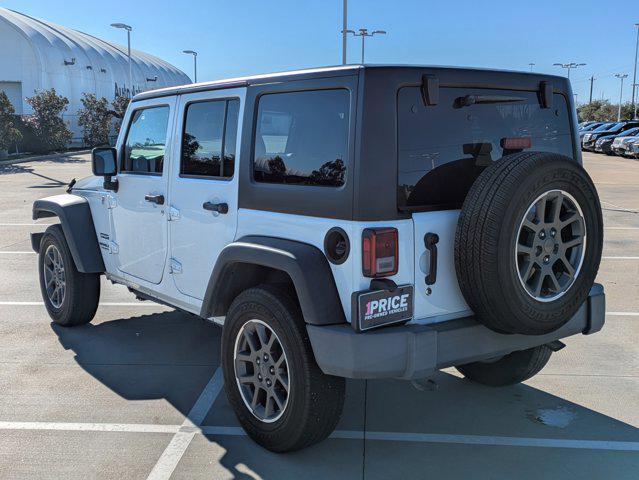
(471, 414)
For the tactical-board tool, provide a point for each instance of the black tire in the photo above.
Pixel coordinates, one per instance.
(315, 400)
(511, 369)
(82, 290)
(488, 231)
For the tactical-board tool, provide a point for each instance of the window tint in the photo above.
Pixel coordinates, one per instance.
(146, 141)
(443, 148)
(302, 138)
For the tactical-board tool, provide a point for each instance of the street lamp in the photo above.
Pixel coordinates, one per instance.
(634, 76)
(569, 66)
(128, 29)
(363, 32)
(194, 53)
(620, 76)
(531, 65)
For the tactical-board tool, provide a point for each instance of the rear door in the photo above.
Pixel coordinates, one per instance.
(442, 149)
(204, 185)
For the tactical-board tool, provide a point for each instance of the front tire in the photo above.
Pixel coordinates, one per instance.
(280, 396)
(71, 297)
(510, 369)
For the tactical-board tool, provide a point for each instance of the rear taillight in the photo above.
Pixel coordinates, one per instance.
(516, 143)
(380, 252)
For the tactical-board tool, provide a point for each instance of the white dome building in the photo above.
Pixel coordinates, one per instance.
(36, 55)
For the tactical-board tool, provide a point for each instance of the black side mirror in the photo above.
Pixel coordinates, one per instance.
(104, 164)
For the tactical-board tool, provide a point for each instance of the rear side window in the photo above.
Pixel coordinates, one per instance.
(209, 137)
(302, 138)
(443, 148)
(146, 141)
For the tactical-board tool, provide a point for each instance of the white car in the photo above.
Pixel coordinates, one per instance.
(347, 222)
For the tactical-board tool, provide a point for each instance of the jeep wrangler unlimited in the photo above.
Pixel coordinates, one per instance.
(347, 222)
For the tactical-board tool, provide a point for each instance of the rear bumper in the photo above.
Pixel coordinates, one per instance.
(417, 351)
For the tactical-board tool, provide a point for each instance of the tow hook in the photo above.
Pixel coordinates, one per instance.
(556, 345)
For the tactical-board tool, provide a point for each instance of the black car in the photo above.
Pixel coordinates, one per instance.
(608, 130)
(604, 144)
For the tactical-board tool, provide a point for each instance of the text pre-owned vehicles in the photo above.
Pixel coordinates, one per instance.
(609, 130)
(346, 222)
(610, 145)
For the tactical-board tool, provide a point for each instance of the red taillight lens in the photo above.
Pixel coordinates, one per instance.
(380, 253)
(516, 143)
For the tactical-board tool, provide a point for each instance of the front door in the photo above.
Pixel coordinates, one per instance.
(139, 214)
(204, 186)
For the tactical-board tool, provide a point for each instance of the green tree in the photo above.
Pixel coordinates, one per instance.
(9, 134)
(95, 119)
(46, 120)
(119, 104)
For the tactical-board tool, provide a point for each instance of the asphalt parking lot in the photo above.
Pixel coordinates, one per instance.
(138, 393)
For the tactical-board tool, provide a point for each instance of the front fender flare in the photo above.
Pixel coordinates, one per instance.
(305, 264)
(77, 224)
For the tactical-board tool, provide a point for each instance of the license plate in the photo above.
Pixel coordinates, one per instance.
(383, 307)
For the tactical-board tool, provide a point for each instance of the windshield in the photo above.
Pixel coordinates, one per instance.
(628, 133)
(608, 127)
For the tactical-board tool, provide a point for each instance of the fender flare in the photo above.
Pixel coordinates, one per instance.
(77, 224)
(305, 264)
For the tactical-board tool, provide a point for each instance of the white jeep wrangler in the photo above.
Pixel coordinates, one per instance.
(358, 222)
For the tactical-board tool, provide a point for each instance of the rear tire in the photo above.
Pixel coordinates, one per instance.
(510, 369)
(71, 297)
(265, 323)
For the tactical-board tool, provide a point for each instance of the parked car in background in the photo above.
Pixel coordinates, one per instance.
(608, 130)
(633, 150)
(607, 145)
(621, 144)
(583, 125)
(589, 128)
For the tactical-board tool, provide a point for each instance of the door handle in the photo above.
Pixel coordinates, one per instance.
(430, 242)
(157, 199)
(216, 207)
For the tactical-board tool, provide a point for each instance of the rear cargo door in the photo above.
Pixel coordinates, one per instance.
(442, 149)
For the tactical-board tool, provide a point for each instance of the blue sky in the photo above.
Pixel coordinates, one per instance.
(250, 36)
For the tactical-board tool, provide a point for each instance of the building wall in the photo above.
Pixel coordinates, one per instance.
(36, 55)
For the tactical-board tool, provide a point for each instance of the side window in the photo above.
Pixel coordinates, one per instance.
(146, 141)
(208, 141)
(302, 138)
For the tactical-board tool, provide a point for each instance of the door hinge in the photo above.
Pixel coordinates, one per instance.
(176, 267)
(113, 247)
(109, 201)
(174, 214)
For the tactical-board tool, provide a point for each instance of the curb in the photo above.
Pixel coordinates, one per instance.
(43, 157)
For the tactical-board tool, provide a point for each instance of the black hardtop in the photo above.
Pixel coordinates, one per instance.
(446, 75)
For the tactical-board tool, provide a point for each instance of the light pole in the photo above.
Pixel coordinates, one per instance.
(531, 65)
(620, 76)
(128, 29)
(344, 27)
(363, 32)
(194, 53)
(634, 76)
(569, 66)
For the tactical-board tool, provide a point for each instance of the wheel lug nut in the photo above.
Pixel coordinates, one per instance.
(259, 377)
(268, 382)
(258, 361)
(542, 234)
(546, 259)
(265, 357)
(272, 370)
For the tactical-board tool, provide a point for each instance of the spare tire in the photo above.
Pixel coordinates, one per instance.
(528, 242)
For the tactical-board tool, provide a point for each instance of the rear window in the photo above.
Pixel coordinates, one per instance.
(302, 138)
(443, 148)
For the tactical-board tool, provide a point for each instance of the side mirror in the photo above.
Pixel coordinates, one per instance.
(103, 160)
(104, 164)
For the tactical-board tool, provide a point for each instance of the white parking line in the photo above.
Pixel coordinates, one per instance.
(169, 459)
(186, 435)
(621, 228)
(17, 253)
(619, 258)
(624, 314)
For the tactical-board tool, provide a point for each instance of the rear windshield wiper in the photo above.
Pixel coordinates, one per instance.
(473, 99)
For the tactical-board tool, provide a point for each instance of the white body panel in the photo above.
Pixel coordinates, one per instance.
(445, 299)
